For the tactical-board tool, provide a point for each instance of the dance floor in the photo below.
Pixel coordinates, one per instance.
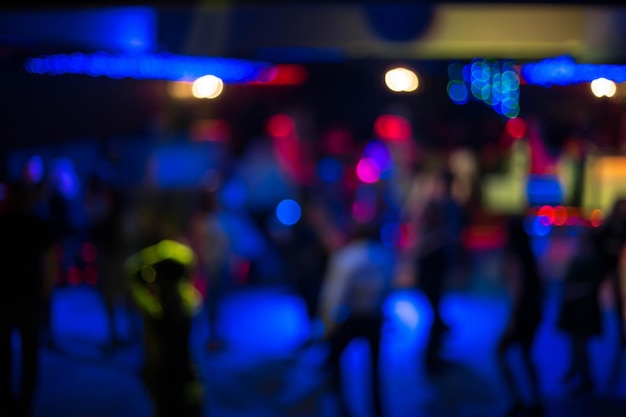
(264, 372)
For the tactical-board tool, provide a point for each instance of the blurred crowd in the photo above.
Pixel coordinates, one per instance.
(166, 253)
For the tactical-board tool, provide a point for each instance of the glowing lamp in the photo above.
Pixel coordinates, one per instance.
(401, 80)
(208, 86)
(601, 87)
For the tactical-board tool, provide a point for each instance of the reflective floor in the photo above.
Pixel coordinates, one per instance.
(263, 373)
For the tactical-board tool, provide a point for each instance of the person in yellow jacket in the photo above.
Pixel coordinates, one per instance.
(160, 282)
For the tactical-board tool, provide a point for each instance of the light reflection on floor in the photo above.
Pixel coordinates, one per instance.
(259, 374)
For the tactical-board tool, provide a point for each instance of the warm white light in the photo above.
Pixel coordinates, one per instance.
(602, 87)
(401, 80)
(208, 86)
(179, 89)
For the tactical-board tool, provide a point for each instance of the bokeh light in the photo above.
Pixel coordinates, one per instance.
(392, 127)
(596, 218)
(208, 86)
(401, 80)
(35, 168)
(457, 91)
(280, 126)
(368, 170)
(288, 212)
(601, 87)
(516, 127)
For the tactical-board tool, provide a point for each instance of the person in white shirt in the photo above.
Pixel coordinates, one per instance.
(357, 283)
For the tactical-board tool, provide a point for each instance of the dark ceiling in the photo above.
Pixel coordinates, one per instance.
(38, 109)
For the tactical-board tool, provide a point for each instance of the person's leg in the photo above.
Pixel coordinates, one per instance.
(581, 356)
(6, 372)
(535, 408)
(374, 328)
(29, 332)
(509, 378)
(338, 342)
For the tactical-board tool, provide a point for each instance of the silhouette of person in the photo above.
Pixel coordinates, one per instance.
(25, 250)
(105, 205)
(439, 253)
(580, 314)
(358, 280)
(610, 239)
(307, 251)
(524, 286)
(160, 281)
(212, 247)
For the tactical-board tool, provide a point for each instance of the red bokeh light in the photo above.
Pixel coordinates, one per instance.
(516, 127)
(392, 127)
(280, 126)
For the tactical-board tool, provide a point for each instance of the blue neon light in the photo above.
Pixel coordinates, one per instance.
(564, 71)
(162, 66)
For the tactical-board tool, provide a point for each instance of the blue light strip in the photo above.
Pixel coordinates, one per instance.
(163, 66)
(565, 71)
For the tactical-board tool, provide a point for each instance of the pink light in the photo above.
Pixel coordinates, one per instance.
(368, 170)
(281, 126)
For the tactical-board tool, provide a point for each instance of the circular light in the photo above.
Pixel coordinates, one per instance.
(401, 80)
(516, 127)
(288, 212)
(457, 91)
(368, 170)
(603, 87)
(208, 86)
(280, 126)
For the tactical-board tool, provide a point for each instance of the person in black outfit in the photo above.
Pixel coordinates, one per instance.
(25, 253)
(523, 282)
(439, 255)
(609, 239)
(580, 314)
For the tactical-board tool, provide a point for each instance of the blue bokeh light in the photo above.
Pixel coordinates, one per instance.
(288, 212)
(458, 92)
(563, 70)
(493, 82)
(161, 66)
